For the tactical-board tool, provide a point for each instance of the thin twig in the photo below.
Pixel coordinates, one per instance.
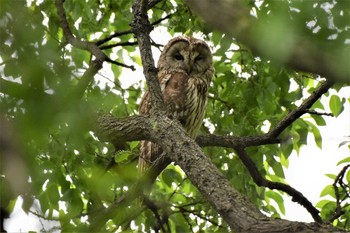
(121, 64)
(338, 180)
(161, 19)
(302, 109)
(108, 38)
(318, 113)
(109, 46)
(184, 210)
(154, 208)
(118, 34)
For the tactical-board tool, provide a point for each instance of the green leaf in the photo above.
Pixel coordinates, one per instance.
(53, 193)
(321, 203)
(11, 205)
(287, 148)
(122, 156)
(167, 177)
(332, 176)
(335, 105)
(328, 209)
(348, 177)
(277, 198)
(328, 190)
(317, 135)
(278, 169)
(134, 144)
(319, 120)
(346, 160)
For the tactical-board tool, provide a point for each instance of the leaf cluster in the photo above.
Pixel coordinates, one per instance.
(74, 175)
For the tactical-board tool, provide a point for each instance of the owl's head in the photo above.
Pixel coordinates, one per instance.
(187, 54)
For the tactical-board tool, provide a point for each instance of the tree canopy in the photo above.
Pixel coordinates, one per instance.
(70, 128)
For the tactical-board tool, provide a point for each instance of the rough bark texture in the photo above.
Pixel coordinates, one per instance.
(235, 209)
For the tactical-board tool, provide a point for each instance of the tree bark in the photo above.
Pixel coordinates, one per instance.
(234, 208)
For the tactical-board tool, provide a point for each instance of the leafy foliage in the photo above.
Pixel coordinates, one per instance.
(67, 164)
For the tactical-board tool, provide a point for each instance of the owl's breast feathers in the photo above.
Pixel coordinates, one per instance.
(185, 97)
(175, 91)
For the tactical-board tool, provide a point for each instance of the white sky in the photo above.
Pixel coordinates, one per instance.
(306, 172)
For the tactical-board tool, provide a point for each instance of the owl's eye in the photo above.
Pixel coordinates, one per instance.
(198, 58)
(179, 57)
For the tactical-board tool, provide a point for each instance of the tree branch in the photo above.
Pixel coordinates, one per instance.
(85, 45)
(142, 131)
(142, 28)
(92, 47)
(303, 108)
(339, 180)
(261, 181)
(319, 113)
(234, 208)
(96, 65)
(239, 143)
(232, 141)
(272, 136)
(121, 64)
(117, 34)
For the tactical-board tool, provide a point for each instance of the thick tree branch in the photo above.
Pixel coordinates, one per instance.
(141, 27)
(142, 129)
(302, 53)
(231, 205)
(239, 143)
(181, 151)
(232, 141)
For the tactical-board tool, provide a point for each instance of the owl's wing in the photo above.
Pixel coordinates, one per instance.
(173, 86)
(146, 104)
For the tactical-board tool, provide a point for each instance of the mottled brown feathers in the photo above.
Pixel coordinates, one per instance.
(185, 71)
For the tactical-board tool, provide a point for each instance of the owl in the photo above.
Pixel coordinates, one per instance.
(185, 69)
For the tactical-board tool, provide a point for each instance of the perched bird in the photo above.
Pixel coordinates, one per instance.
(185, 69)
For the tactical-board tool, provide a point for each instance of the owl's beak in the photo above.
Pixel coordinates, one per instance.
(188, 68)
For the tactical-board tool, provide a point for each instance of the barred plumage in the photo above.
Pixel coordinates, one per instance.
(185, 71)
